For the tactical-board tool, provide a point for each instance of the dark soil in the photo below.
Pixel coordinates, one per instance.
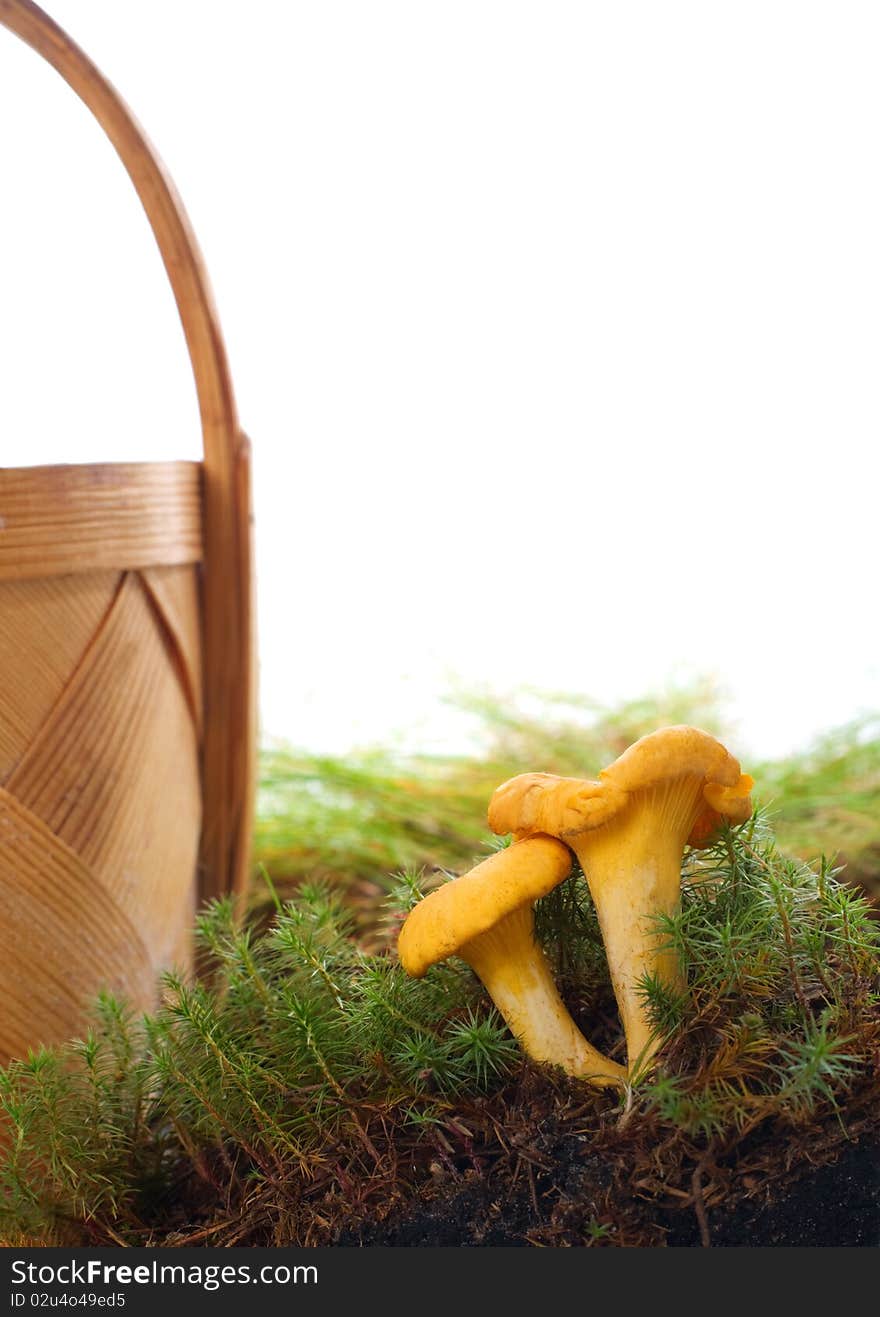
(819, 1189)
(545, 1163)
(831, 1205)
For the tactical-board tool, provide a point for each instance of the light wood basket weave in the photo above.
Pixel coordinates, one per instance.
(127, 724)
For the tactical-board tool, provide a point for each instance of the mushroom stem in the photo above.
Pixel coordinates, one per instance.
(515, 973)
(634, 873)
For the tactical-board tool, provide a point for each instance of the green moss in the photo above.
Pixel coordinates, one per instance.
(302, 1052)
(307, 1079)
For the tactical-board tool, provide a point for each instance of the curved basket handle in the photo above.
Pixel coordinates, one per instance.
(228, 636)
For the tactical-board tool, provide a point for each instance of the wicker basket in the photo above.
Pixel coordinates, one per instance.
(127, 722)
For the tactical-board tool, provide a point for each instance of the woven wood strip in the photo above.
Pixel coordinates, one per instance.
(61, 939)
(65, 613)
(175, 592)
(113, 772)
(230, 762)
(60, 519)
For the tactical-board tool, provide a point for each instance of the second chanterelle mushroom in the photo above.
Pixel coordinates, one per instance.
(629, 829)
(486, 917)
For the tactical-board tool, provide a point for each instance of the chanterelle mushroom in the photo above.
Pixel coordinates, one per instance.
(486, 917)
(629, 830)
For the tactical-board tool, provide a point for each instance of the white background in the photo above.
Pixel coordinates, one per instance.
(556, 328)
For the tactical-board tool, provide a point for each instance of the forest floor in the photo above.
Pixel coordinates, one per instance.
(550, 1185)
(199, 1146)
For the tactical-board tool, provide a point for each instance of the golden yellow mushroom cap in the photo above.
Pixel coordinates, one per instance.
(732, 803)
(679, 751)
(569, 806)
(561, 806)
(464, 908)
